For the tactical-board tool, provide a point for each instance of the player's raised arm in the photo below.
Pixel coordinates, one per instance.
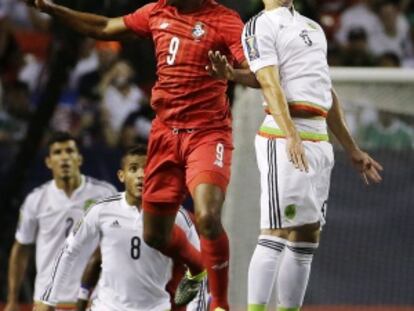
(92, 25)
(367, 166)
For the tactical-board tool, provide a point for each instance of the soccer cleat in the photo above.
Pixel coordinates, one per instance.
(188, 288)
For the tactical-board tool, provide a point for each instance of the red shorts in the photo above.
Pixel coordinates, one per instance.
(182, 159)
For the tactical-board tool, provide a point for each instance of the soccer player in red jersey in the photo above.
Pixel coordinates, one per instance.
(190, 144)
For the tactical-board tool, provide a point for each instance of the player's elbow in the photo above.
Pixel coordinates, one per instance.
(101, 30)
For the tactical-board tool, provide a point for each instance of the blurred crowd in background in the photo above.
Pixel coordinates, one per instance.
(106, 98)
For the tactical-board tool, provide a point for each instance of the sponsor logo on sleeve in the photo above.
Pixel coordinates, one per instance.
(252, 49)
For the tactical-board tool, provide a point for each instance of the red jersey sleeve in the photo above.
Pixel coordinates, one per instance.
(138, 21)
(232, 36)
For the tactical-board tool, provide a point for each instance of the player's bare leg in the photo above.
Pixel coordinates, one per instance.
(208, 201)
(161, 233)
(290, 271)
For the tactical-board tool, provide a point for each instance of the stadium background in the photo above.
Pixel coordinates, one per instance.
(52, 79)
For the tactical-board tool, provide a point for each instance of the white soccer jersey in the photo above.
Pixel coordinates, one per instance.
(46, 218)
(298, 46)
(134, 275)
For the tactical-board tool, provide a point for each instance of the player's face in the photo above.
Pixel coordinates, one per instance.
(132, 174)
(64, 160)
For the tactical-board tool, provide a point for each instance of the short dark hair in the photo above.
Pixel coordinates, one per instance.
(137, 150)
(60, 137)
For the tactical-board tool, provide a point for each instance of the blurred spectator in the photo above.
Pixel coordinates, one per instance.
(14, 112)
(24, 17)
(356, 53)
(137, 126)
(11, 58)
(88, 61)
(120, 97)
(335, 55)
(107, 52)
(329, 12)
(31, 72)
(393, 33)
(359, 15)
(387, 132)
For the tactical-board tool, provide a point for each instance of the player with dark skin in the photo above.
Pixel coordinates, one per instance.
(208, 196)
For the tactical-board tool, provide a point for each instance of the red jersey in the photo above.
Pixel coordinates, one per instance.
(185, 96)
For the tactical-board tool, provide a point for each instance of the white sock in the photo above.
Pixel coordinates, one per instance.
(263, 269)
(294, 273)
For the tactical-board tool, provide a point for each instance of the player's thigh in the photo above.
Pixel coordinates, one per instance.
(164, 173)
(208, 160)
(289, 197)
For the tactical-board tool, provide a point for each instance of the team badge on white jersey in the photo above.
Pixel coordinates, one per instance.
(252, 49)
(198, 31)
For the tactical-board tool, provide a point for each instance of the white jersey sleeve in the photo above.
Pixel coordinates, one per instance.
(183, 220)
(259, 43)
(28, 223)
(83, 240)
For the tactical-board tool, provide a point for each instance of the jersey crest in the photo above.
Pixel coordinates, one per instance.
(198, 31)
(252, 49)
(88, 203)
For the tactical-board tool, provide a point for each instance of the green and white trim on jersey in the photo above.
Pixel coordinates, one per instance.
(272, 133)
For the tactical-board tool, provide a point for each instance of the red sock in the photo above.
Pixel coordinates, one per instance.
(216, 256)
(180, 249)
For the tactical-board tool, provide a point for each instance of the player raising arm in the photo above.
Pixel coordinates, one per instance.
(190, 144)
(287, 53)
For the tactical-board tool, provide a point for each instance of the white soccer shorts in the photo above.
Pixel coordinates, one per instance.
(289, 197)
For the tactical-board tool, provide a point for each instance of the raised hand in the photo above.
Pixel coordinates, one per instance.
(368, 168)
(219, 66)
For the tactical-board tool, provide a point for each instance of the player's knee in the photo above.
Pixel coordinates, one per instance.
(209, 223)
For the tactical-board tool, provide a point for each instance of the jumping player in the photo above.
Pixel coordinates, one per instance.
(287, 53)
(134, 275)
(190, 144)
(46, 218)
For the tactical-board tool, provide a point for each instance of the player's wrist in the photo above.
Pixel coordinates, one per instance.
(351, 148)
(84, 293)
